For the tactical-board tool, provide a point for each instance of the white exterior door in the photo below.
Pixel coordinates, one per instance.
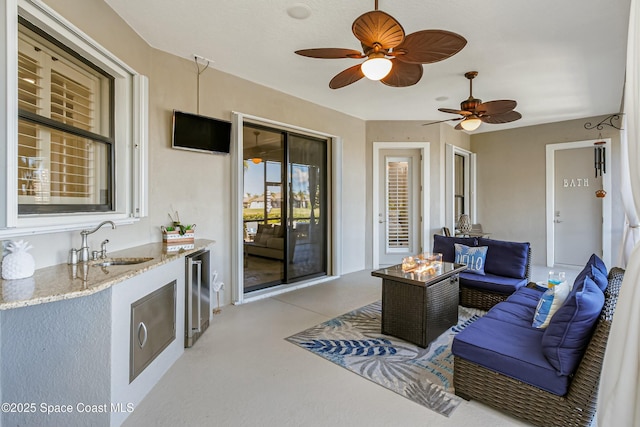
(398, 215)
(577, 212)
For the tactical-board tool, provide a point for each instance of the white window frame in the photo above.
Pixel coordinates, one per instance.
(334, 183)
(470, 185)
(130, 119)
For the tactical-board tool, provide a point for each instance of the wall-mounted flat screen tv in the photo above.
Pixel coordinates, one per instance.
(200, 133)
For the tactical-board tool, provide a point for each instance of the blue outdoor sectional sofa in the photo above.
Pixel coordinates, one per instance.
(550, 376)
(506, 268)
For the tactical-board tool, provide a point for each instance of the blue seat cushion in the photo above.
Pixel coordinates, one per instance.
(569, 331)
(526, 296)
(507, 259)
(513, 313)
(512, 350)
(491, 282)
(444, 245)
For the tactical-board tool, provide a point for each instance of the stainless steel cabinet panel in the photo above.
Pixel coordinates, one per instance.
(153, 327)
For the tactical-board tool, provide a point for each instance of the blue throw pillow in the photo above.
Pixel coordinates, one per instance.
(474, 257)
(569, 331)
(595, 274)
(444, 245)
(598, 263)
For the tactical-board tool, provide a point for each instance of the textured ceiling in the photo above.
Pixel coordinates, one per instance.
(560, 60)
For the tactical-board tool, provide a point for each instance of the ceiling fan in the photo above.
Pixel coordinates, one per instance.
(392, 57)
(475, 112)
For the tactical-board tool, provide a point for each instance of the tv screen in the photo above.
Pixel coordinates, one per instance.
(200, 133)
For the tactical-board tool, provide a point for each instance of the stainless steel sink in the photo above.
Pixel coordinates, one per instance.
(119, 261)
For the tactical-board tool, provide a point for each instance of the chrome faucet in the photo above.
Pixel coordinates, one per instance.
(83, 255)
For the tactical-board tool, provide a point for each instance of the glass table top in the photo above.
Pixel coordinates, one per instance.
(424, 276)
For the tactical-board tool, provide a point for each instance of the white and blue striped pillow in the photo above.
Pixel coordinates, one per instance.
(551, 300)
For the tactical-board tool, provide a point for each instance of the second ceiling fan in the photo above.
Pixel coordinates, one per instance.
(393, 58)
(474, 112)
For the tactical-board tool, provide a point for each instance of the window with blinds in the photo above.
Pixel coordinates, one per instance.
(64, 129)
(398, 205)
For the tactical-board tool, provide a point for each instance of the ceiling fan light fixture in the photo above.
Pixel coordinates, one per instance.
(376, 68)
(256, 160)
(471, 123)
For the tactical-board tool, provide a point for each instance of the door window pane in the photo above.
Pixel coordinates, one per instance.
(264, 234)
(285, 225)
(307, 207)
(398, 204)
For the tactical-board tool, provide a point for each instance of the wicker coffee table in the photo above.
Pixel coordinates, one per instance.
(418, 307)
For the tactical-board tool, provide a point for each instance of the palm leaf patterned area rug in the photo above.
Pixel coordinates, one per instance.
(354, 341)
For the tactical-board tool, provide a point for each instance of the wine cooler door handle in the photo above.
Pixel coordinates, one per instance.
(198, 265)
(142, 328)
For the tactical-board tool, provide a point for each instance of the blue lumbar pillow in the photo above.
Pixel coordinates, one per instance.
(474, 257)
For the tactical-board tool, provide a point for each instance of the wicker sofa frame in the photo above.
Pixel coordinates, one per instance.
(576, 408)
(484, 300)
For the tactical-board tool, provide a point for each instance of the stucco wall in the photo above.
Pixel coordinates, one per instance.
(195, 184)
(511, 180)
(58, 354)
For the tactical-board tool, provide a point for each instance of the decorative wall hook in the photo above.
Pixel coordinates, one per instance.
(607, 121)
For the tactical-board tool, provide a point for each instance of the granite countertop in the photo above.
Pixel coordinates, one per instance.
(63, 281)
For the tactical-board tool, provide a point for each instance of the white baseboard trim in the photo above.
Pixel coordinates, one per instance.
(281, 289)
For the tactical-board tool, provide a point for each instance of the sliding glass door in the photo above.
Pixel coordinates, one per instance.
(284, 207)
(307, 180)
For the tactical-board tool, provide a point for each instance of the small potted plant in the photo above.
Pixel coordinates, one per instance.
(178, 232)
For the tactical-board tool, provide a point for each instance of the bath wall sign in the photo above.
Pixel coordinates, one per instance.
(575, 182)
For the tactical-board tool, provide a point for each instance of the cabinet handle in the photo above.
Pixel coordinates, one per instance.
(198, 264)
(143, 341)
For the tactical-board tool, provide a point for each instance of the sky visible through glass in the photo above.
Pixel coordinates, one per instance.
(254, 177)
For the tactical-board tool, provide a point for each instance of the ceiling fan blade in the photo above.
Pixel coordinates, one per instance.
(378, 27)
(427, 46)
(492, 108)
(346, 77)
(330, 53)
(442, 121)
(461, 112)
(459, 126)
(510, 116)
(403, 74)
